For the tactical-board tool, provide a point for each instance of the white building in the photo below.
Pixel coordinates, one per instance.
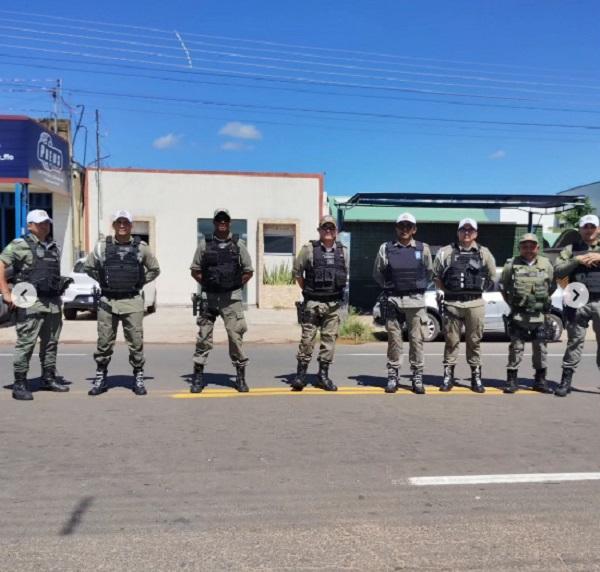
(274, 212)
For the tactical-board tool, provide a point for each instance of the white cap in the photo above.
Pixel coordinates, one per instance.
(122, 214)
(406, 217)
(466, 221)
(589, 219)
(38, 216)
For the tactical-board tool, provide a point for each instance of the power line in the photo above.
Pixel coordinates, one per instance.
(337, 112)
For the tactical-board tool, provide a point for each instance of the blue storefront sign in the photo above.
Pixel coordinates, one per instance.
(29, 153)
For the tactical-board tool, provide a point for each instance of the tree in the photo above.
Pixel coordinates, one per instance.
(570, 218)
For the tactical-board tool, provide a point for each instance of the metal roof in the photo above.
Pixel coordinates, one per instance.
(482, 201)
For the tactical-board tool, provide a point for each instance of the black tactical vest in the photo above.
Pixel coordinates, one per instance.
(465, 273)
(44, 273)
(325, 280)
(221, 265)
(122, 274)
(405, 272)
(588, 276)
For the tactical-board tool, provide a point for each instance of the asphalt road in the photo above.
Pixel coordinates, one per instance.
(274, 480)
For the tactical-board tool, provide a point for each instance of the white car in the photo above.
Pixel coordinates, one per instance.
(495, 310)
(79, 295)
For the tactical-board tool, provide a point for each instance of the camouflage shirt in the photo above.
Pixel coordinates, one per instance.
(93, 266)
(19, 255)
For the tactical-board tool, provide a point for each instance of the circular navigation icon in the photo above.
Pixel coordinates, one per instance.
(576, 295)
(24, 295)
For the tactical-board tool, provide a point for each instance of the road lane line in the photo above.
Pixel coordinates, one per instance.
(342, 391)
(501, 479)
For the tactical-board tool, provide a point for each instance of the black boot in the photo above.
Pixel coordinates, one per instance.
(448, 380)
(417, 382)
(198, 379)
(392, 380)
(240, 379)
(323, 378)
(511, 381)
(139, 388)
(476, 384)
(99, 383)
(540, 384)
(20, 390)
(299, 382)
(50, 383)
(565, 382)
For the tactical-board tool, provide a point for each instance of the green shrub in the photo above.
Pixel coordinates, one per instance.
(355, 329)
(279, 275)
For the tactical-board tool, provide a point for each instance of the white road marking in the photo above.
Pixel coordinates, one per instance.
(460, 355)
(59, 355)
(502, 479)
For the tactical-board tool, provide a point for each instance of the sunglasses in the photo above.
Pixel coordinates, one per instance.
(328, 228)
(222, 219)
(467, 229)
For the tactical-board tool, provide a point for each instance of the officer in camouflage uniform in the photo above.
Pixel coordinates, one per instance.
(580, 262)
(222, 266)
(321, 270)
(527, 284)
(122, 265)
(464, 270)
(403, 268)
(35, 259)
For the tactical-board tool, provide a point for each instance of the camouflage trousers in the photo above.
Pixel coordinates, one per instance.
(322, 317)
(108, 324)
(46, 326)
(416, 322)
(577, 324)
(473, 319)
(232, 313)
(516, 348)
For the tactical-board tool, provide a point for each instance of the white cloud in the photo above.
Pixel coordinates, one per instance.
(240, 130)
(166, 141)
(236, 146)
(498, 154)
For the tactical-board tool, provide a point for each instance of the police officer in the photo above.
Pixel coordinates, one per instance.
(527, 283)
(35, 259)
(403, 268)
(463, 271)
(122, 264)
(580, 262)
(321, 270)
(222, 266)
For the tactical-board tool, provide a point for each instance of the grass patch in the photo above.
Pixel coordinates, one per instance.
(280, 275)
(355, 329)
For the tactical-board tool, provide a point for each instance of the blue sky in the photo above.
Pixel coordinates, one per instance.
(462, 96)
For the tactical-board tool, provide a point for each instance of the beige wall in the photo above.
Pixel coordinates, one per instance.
(175, 200)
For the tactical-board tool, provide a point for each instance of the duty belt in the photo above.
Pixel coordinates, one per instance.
(594, 297)
(119, 295)
(458, 297)
(400, 293)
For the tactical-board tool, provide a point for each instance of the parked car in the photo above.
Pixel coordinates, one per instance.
(495, 310)
(79, 295)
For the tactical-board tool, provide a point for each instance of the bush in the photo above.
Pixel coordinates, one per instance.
(355, 329)
(281, 275)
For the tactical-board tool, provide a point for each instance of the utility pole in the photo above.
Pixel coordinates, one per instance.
(98, 187)
(56, 96)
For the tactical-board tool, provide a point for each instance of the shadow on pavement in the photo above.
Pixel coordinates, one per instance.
(221, 379)
(76, 516)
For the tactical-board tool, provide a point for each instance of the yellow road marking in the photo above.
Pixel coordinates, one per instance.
(284, 391)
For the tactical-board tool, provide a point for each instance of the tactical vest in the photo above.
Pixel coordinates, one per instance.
(326, 278)
(221, 265)
(122, 274)
(44, 273)
(405, 272)
(465, 273)
(529, 291)
(588, 276)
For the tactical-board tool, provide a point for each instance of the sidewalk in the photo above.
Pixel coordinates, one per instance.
(176, 325)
